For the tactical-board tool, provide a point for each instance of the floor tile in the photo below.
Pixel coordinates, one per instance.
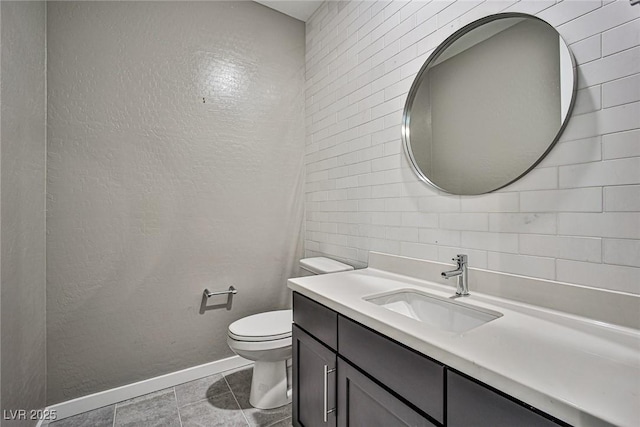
(221, 410)
(201, 389)
(240, 383)
(155, 409)
(284, 423)
(102, 417)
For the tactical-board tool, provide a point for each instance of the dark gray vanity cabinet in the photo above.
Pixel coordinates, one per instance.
(347, 375)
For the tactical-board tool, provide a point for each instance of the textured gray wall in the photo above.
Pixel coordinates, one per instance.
(175, 163)
(22, 202)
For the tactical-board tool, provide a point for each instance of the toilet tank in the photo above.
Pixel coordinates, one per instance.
(323, 265)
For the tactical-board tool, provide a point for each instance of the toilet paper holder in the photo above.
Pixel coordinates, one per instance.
(206, 294)
(231, 291)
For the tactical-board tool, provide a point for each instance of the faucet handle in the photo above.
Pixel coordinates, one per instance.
(460, 258)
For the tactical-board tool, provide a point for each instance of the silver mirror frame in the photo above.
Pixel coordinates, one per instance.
(420, 77)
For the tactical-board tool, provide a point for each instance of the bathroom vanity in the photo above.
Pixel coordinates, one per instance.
(382, 382)
(362, 358)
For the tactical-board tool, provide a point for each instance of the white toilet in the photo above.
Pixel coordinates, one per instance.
(266, 339)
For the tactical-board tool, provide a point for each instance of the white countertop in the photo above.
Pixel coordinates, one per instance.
(584, 372)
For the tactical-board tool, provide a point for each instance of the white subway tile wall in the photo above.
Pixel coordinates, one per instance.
(574, 218)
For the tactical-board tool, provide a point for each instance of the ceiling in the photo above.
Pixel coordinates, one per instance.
(299, 9)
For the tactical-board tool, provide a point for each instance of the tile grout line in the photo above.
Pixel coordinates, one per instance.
(236, 399)
(177, 406)
(208, 399)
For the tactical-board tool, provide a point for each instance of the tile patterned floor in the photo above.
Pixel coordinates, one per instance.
(218, 400)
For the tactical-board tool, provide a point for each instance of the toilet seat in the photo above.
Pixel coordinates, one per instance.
(257, 346)
(262, 327)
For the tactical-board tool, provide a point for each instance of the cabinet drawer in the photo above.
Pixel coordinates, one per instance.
(318, 320)
(417, 379)
(470, 403)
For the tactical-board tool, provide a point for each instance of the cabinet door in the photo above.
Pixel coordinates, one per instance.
(471, 404)
(363, 403)
(314, 385)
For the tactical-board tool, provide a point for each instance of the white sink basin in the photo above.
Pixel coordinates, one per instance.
(444, 314)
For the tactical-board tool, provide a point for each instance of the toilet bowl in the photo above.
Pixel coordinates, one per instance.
(266, 339)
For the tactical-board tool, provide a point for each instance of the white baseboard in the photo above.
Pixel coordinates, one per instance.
(118, 394)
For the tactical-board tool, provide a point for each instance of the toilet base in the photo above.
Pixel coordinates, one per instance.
(269, 385)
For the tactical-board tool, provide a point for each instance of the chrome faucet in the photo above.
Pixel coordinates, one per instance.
(461, 272)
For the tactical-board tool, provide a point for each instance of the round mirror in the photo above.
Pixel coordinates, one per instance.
(489, 104)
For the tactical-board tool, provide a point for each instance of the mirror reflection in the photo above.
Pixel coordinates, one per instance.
(488, 104)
